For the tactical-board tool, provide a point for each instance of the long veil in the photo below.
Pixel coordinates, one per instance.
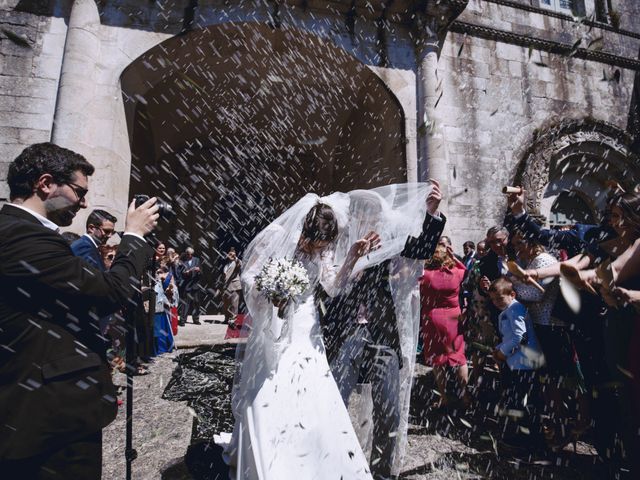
(395, 212)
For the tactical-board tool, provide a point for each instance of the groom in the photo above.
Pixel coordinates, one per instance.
(363, 341)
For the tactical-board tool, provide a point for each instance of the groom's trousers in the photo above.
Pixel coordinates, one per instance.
(378, 365)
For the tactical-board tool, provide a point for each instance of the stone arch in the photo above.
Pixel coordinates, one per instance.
(577, 156)
(244, 114)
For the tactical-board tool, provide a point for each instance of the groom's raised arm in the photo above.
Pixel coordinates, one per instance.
(423, 246)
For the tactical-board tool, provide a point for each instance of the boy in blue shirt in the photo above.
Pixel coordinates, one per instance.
(521, 352)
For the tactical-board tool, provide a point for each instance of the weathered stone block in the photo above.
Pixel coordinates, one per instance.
(509, 52)
(31, 87)
(28, 136)
(25, 120)
(8, 135)
(47, 66)
(515, 68)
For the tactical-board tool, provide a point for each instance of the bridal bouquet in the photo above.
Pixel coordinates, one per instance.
(282, 279)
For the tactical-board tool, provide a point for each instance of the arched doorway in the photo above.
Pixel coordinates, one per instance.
(235, 122)
(568, 165)
(569, 208)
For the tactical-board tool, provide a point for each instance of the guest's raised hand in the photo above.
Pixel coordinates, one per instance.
(484, 283)
(516, 201)
(626, 297)
(449, 249)
(575, 276)
(434, 198)
(530, 276)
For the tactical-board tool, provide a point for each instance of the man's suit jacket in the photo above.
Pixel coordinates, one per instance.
(190, 280)
(469, 260)
(55, 384)
(232, 281)
(372, 289)
(85, 248)
(488, 266)
(574, 241)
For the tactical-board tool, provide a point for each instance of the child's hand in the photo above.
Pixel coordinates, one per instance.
(498, 356)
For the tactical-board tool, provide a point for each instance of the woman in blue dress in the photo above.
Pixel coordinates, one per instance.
(166, 297)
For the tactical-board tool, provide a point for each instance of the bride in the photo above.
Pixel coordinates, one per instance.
(291, 421)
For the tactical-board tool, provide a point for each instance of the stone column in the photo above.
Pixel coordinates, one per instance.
(430, 30)
(87, 108)
(432, 162)
(76, 90)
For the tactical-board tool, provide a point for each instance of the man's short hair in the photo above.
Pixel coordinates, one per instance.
(189, 250)
(96, 217)
(501, 286)
(497, 229)
(469, 244)
(38, 159)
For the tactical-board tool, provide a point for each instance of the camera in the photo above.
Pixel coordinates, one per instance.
(165, 210)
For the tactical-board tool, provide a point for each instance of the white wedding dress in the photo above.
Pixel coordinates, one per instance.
(294, 425)
(290, 420)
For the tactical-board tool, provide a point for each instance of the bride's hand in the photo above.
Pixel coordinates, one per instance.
(369, 243)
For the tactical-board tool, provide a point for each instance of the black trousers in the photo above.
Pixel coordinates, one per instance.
(359, 359)
(81, 459)
(190, 305)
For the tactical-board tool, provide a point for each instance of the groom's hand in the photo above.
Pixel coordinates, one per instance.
(434, 198)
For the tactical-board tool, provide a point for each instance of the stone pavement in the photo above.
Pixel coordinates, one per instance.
(211, 331)
(445, 445)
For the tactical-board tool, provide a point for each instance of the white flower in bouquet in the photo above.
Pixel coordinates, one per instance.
(282, 279)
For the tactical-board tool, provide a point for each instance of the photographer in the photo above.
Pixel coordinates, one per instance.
(56, 392)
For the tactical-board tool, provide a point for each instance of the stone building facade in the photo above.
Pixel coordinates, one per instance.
(233, 109)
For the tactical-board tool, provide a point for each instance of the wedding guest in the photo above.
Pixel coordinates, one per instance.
(108, 253)
(446, 242)
(481, 249)
(574, 241)
(160, 253)
(100, 226)
(232, 288)
(469, 258)
(57, 392)
(165, 298)
(441, 327)
(189, 287)
(520, 351)
(560, 373)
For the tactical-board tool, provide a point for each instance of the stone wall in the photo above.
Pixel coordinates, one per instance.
(31, 48)
(496, 96)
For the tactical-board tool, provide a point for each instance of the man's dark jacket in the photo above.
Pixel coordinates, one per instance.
(574, 241)
(85, 248)
(55, 384)
(372, 289)
(190, 281)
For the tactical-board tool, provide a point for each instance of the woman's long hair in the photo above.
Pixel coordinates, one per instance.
(629, 203)
(439, 259)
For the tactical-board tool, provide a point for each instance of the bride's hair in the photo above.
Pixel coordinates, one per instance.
(320, 224)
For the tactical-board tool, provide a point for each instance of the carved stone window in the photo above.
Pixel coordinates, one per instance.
(568, 165)
(570, 7)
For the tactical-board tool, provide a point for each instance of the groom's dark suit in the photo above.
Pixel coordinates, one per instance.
(372, 350)
(55, 383)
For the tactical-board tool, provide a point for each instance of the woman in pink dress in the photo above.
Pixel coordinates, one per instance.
(440, 319)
